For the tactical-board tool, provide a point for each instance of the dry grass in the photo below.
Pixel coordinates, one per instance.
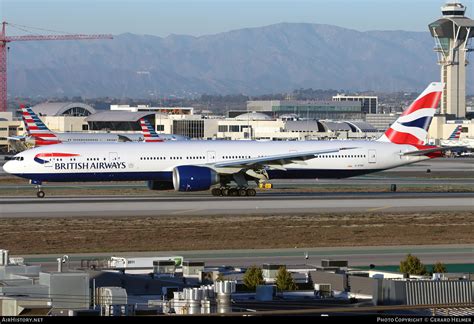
(73, 235)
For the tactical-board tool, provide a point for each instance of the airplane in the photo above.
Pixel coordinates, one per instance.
(38, 134)
(228, 166)
(457, 146)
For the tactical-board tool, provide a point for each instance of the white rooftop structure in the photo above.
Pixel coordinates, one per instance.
(164, 110)
(253, 116)
(63, 109)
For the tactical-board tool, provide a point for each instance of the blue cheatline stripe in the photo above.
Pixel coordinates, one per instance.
(423, 122)
(167, 175)
(99, 176)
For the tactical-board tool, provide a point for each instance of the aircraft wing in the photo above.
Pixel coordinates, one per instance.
(278, 159)
(16, 138)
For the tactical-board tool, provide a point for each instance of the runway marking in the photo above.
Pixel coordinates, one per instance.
(187, 211)
(378, 208)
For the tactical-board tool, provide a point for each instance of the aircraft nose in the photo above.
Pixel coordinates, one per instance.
(8, 167)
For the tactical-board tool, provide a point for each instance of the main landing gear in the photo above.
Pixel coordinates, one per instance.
(234, 192)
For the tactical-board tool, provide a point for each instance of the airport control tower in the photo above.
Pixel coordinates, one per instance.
(452, 35)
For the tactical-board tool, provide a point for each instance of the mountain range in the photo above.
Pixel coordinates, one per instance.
(252, 61)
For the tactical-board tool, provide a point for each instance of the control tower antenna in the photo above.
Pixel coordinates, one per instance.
(452, 34)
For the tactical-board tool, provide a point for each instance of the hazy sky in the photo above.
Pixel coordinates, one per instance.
(199, 17)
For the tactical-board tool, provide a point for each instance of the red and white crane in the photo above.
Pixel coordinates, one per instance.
(4, 40)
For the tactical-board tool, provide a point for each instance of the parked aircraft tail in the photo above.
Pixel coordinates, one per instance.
(149, 131)
(456, 133)
(36, 129)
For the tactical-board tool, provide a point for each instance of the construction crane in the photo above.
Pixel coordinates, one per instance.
(4, 40)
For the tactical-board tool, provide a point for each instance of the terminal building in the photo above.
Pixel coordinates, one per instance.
(9, 127)
(163, 110)
(369, 103)
(243, 126)
(337, 110)
(123, 121)
(64, 116)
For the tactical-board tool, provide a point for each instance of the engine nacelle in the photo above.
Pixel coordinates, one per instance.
(194, 178)
(159, 185)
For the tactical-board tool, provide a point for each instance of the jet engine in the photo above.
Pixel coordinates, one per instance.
(194, 178)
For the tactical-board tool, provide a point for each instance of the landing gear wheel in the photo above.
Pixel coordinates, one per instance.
(251, 192)
(242, 192)
(225, 192)
(233, 192)
(216, 192)
(40, 194)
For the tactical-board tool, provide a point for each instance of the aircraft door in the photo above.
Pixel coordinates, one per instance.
(372, 156)
(211, 156)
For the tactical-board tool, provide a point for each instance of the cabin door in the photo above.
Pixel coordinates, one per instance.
(372, 156)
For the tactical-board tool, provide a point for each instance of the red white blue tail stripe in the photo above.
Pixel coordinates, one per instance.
(412, 126)
(35, 127)
(456, 133)
(149, 131)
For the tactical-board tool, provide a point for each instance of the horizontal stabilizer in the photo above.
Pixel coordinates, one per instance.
(428, 151)
(16, 138)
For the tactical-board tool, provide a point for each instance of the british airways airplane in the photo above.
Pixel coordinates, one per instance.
(228, 166)
(38, 134)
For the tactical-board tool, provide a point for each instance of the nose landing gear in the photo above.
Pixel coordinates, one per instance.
(40, 193)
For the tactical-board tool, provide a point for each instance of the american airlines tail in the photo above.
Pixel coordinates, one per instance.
(37, 129)
(149, 131)
(456, 133)
(412, 126)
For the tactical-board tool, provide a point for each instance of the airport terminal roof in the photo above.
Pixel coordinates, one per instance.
(362, 126)
(63, 109)
(303, 125)
(332, 126)
(120, 116)
(253, 116)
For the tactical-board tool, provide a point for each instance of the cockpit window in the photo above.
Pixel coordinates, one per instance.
(18, 158)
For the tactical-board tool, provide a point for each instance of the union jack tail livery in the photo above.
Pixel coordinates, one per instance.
(412, 126)
(36, 128)
(456, 133)
(149, 132)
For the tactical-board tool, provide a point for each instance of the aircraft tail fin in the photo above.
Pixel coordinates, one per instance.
(34, 126)
(412, 126)
(149, 131)
(456, 133)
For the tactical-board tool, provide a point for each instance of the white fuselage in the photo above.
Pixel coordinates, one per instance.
(78, 137)
(156, 161)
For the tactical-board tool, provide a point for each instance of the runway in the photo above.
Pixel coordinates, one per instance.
(273, 203)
